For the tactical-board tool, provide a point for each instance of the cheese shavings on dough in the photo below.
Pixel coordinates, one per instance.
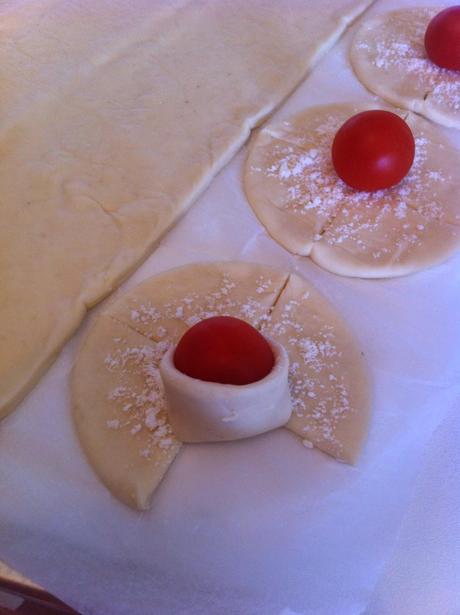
(388, 55)
(117, 394)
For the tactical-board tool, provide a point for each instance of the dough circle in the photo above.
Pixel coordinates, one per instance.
(291, 184)
(388, 56)
(118, 401)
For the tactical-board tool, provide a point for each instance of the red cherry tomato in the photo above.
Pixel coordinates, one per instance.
(224, 349)
(442, 38)
(373, 150)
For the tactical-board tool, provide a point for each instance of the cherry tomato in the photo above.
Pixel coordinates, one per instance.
(442, 38)
(373, 150)
(224, 349)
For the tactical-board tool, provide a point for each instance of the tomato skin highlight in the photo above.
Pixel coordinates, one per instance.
(226, 350)
(442, 38)
(373, 150)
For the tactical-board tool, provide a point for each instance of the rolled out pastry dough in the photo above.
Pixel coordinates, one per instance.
(114, 116)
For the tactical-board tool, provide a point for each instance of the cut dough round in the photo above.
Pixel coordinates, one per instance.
(117, 394)
(388, 55)
(293, 188)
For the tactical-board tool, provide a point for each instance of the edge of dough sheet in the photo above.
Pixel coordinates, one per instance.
(12, 399)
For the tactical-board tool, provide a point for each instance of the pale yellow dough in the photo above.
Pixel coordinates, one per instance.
(388, 55)
(291, 184)
(117, 395)
(114, 116)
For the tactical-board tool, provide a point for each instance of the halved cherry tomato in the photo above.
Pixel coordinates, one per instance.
(224, 349)
(373, 150)
(442, 38)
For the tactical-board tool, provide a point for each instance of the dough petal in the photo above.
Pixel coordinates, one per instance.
(329, 381)
(369, 242)
(115, 116)
(388, 55)
(281, 157)
(166, 305)
(117, 393)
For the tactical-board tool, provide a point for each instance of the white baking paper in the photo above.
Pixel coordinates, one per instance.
(423, 574)
(257, 527)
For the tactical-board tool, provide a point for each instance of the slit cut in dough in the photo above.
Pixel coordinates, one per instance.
(291, 184)
(118, 401)
(388, 56)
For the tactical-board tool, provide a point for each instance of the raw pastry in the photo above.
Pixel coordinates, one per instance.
(117, 394)
(329, 382)
(388, 55)
(120, 416)
(115, 116)
(292, 186)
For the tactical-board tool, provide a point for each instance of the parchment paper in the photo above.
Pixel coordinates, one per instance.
(258, 527)
(423, 574)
